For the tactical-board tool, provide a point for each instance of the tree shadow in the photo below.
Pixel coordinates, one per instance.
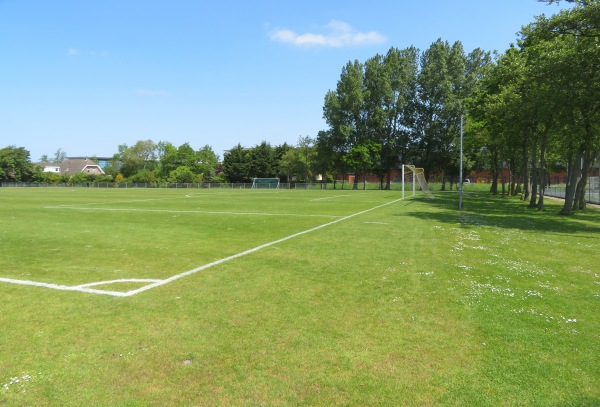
(484, 209)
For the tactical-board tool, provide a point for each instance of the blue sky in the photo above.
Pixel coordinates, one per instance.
(87, 76)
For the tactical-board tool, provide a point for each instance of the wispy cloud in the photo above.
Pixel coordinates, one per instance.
(339, 34)
(151, 92)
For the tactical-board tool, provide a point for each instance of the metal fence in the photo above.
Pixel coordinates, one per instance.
(592, 191)
(204, 185)
(559, 192)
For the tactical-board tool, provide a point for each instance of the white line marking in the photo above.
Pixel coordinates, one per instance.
(124, 280)
(329, 197)
(193, 211)
(113, 202)
(377, 223)
(157, 283)
(62, 287)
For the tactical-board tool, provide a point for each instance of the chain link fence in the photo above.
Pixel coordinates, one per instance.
(592, 191)
(203, 185)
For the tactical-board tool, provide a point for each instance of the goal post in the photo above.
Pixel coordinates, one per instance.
(418, 175)
(265, 183)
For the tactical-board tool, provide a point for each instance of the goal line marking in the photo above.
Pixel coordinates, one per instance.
(157, 282)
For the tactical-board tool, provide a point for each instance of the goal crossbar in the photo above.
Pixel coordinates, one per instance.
(418, 175)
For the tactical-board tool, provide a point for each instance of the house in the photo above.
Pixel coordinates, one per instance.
(101, 161)
(49, 167)
(72, 166)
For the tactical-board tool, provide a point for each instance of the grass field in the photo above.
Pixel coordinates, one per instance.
(263, 298)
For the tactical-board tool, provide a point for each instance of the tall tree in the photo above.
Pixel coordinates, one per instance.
(59, 156)
(441, 83)
(187, 157)
(139, 157)
(15, 165)
(344, 111)
(168, 159)
(280, 166)
(207, 162)
(262, 161)
(329, 159)
(236, 164)
(566, 45)
(390, 86)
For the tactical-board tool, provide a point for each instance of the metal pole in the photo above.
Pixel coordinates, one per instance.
(402, 181)
(460, 190)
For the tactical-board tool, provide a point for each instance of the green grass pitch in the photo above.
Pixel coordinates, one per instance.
(145, 297)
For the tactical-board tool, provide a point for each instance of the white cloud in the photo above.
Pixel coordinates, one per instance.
(150, 92)
(340, 34)
(72, 51)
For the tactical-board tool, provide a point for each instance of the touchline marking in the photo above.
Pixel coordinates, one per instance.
(113, 202)
(157, 283)
(193, 211)
(329, 197)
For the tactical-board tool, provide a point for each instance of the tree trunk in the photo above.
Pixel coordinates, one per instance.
(388, 183)
(494, 187)
(572, 171)
(542, 171)
(580, 203)
(534, 177)
(512, 180)
(525, 173)
(443, 180)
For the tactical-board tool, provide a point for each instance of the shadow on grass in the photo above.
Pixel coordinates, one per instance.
(482, 208)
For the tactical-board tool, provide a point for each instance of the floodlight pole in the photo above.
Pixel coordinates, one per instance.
(460, 190)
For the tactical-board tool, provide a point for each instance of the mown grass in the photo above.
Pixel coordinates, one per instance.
(413, 303)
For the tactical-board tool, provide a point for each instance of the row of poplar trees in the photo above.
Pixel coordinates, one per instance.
(402, 107)
(534, 107)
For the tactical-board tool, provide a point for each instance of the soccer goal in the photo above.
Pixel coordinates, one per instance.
(418, 175)
(265, 183)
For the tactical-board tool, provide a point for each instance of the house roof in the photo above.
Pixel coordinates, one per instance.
(75, 165)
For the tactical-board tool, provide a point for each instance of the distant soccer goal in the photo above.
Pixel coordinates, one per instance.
(418, 176)
(265, 183)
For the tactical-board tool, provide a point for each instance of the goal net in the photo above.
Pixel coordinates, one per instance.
(418, 176)
(265, 183)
